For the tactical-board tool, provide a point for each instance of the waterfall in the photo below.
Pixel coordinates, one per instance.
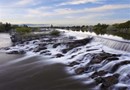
(115, 44)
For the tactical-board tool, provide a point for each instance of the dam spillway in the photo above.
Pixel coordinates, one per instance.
(113, 43)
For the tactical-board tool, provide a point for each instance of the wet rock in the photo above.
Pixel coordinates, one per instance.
(98, 58)
(30, 49)
(22, 52)
(73, 63)
(72, 56)
(6, 48)
(112, 58)
(80, 70)
(47, 54)
(55, 45)
(75, 50)
(59, 55)
(65, 50)
(16, 52)
(45, 51)
(116, 66)
(91, 50)
(34, 42)
(109, 80)
(42, 44)
(98, 73)
(39, 48)
(75, 44)
(82, 41)
(98, 80)
(27, 42)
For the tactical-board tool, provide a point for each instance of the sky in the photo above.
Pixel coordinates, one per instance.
(64, 12)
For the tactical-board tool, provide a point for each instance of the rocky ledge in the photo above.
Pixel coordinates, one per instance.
(82, 57)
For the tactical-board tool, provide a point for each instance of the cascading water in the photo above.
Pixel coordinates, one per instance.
(115, 44)
(92, 63)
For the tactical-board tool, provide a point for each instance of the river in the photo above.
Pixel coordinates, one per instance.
(35, 72)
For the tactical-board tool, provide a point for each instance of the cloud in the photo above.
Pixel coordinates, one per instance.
(108, 7)
(24, 2)
(94, 9)
(45, 11)
(20, 3)
(76, 2)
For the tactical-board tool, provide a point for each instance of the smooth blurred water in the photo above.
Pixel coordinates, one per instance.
(4, 40)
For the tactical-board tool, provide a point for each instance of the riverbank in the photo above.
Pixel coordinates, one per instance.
(86, 61)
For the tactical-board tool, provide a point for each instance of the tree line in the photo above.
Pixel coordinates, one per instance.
(120, 29)
(5, 27)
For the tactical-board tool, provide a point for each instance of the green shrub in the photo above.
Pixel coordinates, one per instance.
(23, 30)
(55, 33)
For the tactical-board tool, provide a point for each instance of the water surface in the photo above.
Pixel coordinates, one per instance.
(4, 40)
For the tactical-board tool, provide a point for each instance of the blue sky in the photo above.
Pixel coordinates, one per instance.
(68, 12)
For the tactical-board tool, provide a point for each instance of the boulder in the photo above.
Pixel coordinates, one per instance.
(65, 50)
(39, 48)
(112, 58)
(59, 55)
(45, 51)
(98, 80)
(16, 52)
(91, 50)
(75, 44)
(80, 70)
(42, 44)
(6, 48)
(73, 63)
(98, 58)
(47, 54)
(110, 80)
(117, 65)
(55, 45)
(72, 56)
(98, 73)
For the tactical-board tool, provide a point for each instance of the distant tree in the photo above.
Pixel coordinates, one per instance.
(5, 27)
(8, 27)
(24, 25)
(100, 28)
(51, 26)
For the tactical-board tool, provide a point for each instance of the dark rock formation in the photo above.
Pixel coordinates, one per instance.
(59, 55)
(76, 43)
(72, 56)
(73, 63)
(116, 66)
(80, 70)
(45, 51)
(16, 52)
(109, 80)
(98, 58)
(39, 48)
(55, 45)
(47, 54)
(98, 73)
